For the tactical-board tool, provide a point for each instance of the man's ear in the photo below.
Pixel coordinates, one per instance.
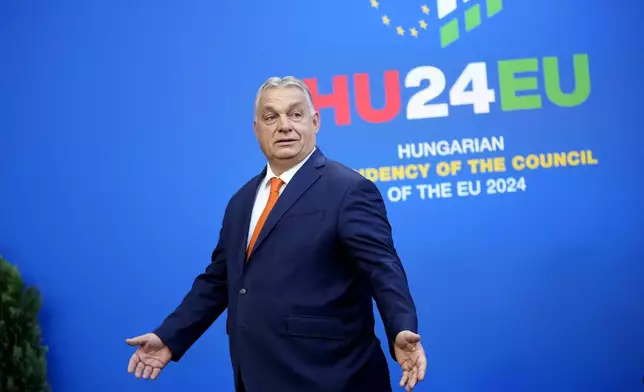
(316, 122)
(255, 129)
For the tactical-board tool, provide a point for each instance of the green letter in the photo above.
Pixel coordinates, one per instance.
(553, 85)
(510, 85)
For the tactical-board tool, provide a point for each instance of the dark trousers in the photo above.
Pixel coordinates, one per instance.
(240, 383)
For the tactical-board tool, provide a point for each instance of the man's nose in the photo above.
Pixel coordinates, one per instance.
(284, 124)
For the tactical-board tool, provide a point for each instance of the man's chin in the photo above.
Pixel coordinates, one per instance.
(285, 157)
(286, 153)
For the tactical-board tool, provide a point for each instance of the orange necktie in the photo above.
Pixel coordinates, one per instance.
(276, 184)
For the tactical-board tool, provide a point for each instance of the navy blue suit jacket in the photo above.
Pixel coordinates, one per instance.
(300, 314)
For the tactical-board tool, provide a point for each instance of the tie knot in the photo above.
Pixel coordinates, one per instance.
(276, 184)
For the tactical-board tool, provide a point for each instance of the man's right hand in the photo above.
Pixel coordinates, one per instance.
(150, 357)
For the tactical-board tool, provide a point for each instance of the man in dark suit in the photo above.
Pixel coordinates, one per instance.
(303, 248)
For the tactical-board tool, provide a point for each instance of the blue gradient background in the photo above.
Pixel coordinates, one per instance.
(126, 126)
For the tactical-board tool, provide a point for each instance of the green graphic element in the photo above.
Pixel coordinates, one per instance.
(493, 7)
(510, 84)
(450, 30)
(472, 17)
(513, 87)
(553, 85)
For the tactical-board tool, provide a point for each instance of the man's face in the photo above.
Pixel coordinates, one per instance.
(285, 127)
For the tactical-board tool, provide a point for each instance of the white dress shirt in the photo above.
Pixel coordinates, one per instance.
(264, 191)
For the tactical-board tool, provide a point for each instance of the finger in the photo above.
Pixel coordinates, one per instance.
(147, 372)
(411, 337)
(137, 341)
(413, 377)
(134, 359)
(422, 367)
(139, 369)
(155, 373)
(404, 378)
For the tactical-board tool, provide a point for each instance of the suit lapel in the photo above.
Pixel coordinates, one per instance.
(247, 203)
(300, 183)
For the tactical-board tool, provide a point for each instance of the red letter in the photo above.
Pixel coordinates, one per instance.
(339, 99)
(363, 98)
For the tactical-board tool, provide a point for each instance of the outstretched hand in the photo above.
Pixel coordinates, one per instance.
(411, 358)
(150, 357)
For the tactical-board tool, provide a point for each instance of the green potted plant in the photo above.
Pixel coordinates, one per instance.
(23, 363)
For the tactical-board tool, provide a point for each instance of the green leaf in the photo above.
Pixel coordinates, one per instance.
(6, 299)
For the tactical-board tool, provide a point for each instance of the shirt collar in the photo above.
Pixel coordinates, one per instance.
(287, 176)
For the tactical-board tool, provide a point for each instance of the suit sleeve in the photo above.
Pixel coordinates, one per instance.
(365, 231)
(204, 303)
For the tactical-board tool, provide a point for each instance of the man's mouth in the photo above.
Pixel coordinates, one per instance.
(286, 141)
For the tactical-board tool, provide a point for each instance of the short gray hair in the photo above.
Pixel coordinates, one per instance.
(287, 81)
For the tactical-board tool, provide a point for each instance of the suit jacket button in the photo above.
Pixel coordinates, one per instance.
(242, 291)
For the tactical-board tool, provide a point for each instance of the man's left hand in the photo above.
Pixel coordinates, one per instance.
(411, 358)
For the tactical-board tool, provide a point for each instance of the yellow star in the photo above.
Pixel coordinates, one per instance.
(414, 32)
(425, 9)
(374, 3)
(386, 20)
(400, 30)
(423, 24)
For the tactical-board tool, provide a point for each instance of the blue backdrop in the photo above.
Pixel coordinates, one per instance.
(126, 127)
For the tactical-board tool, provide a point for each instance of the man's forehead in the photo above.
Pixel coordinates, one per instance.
(286, 96)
